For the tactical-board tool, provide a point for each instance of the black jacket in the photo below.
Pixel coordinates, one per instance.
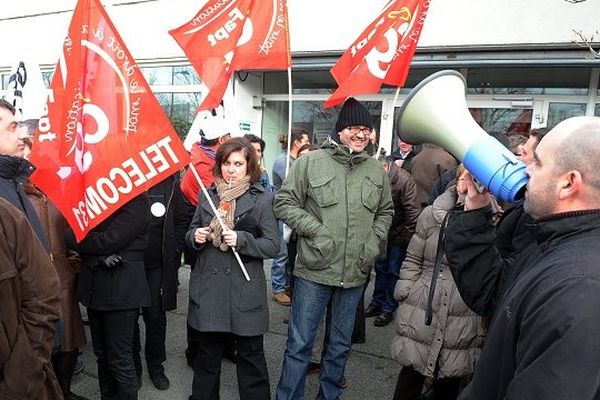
(482, 258)
(170, 242)
(123, 233)
(14, 172)
(542, 342)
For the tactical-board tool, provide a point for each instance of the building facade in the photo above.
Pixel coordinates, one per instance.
(525, 65)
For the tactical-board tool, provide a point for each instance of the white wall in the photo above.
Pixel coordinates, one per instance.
(316, 25)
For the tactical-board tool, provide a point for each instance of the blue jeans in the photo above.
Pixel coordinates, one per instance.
(309, 303)
(386, 276)
(279, 279)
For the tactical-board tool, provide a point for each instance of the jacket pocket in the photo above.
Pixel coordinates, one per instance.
(252, 295)
(316, 252)
(371, 249)
(371, 194)
(323, 191)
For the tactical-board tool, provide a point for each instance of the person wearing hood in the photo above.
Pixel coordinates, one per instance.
(338, 200)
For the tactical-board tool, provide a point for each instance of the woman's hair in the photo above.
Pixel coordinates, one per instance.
(255, 139)
(242, 145)
(297, 134)
(459, 171)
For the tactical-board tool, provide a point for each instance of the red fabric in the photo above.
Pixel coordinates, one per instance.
(204, 165)
(231, 35)
(105, 138)
(382, 53)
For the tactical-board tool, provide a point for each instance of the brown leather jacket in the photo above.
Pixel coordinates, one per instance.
(406, 207)
(67, 264)
(29, 309)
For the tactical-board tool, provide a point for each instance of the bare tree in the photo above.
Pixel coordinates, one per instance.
(583, 40)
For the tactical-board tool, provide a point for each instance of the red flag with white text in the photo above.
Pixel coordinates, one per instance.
(231, 35)
(382, 53)
(104, 138)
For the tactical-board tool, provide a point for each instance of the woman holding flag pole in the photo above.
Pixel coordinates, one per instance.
(234, 214)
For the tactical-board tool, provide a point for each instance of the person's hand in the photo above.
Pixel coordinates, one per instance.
(230, 238)
(474, 199)
(399, 162)
(201, 235)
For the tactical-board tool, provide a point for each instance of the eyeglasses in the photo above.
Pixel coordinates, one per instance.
(355, 130)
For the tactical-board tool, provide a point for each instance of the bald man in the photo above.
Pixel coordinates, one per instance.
(543, 339)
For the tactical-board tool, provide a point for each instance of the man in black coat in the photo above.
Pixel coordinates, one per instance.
(169, 222)
(14, 169)
(542, 341)
(112, 285)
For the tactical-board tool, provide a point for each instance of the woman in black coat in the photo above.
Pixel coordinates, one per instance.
(224, 306)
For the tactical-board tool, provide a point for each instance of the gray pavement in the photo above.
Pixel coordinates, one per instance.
(370, 372)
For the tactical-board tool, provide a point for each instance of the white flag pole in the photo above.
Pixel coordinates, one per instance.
(376, 155)
(216, 212)
(289, 132)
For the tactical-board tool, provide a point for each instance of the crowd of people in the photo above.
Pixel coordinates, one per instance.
(488, 300)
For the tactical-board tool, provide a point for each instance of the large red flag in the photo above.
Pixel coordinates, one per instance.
(382, 53)
(230, 35)
(104, 138)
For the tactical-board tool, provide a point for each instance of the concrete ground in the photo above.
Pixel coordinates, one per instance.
(370, 372)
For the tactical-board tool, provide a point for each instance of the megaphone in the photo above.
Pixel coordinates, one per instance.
(436, 112)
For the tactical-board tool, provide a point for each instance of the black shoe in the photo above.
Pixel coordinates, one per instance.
(314, 368)
(383, 319)
(372, 311)
(160, 380)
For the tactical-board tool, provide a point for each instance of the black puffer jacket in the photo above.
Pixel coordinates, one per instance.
(14, 172)
(542, 342)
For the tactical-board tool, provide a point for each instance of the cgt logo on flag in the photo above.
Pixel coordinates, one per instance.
(382, 53)
(230, 35)
(103, 139)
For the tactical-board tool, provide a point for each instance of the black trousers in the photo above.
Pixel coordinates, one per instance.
(155, 320)
(112, 340)
(410, 385)
(252, 373)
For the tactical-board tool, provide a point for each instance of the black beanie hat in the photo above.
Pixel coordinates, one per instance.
(353, 113)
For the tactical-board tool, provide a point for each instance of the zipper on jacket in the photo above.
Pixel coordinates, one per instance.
(347, 223)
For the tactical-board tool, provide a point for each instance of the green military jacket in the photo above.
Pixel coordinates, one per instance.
(340, 205)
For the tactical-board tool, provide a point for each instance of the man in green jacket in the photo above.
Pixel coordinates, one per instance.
(338, 200)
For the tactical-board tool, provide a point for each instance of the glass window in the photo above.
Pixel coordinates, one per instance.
(157, 76)
(503, 120)
(558, 112)
(5, 81)
(309, 115)
(597, 110)
(180, 108)
(185, 75)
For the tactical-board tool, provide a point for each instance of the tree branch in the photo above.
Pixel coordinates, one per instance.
(585, 41)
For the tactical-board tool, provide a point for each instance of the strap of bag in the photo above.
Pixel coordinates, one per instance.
(437, 265)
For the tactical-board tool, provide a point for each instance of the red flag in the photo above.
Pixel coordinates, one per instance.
(104, 138)
(382, 53)
(230, 35)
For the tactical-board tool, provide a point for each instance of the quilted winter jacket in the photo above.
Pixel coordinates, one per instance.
(451, 345)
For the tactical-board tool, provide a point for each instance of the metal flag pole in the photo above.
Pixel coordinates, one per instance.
(289, 132)
(223, 226)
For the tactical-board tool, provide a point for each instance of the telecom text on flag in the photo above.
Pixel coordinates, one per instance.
(104, 138)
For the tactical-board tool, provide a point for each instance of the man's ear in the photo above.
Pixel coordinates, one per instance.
(570, 184)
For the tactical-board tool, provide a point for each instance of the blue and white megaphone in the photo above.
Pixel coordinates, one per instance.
(436, 112)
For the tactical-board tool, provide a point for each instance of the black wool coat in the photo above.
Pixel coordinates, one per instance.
(221, 300)
(123, 233)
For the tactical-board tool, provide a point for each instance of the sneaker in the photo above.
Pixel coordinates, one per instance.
(282, 298)
(160, 380)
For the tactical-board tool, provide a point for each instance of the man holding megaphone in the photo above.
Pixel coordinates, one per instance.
(542, 341)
